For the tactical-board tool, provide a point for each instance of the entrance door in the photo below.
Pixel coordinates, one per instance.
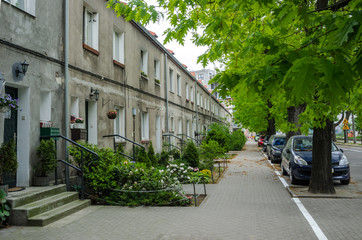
(10, 131)
(91, 122)
(158, 134)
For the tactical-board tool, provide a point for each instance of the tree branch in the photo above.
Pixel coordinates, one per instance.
(334, 7)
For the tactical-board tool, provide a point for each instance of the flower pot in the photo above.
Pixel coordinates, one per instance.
(111, 115)
(41, 181)
(4, 109)
(78, 125)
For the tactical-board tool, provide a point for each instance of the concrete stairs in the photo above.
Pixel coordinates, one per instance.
(39, 206)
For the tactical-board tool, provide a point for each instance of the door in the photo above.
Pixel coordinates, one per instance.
(10, 131)
(158, 134)
(91, 122)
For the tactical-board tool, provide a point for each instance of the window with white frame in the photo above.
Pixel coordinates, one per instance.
(191, 94)
(144, 61)
(187, 91)
(45, 106)
(156, 64)
(188, 128)
(171, 79)
(206, 104)
(145, 126)
(172, 124)
(119, 123)
(198, 98)
(201, 102)
(25, 5)
(118, 47)
(74, 106)
(179, 126)
(178, 81)
(90, 28)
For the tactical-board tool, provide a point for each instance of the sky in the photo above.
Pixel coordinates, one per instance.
(186, 54)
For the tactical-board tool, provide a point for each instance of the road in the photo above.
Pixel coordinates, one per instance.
(354, 156)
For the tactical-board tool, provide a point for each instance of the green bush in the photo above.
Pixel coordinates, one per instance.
(191, 155)
(4, 208)
(46, 152)
(8, 159)
(209, 151)
(141, 156)
(151, 155)
(220, 134)
(237, 140)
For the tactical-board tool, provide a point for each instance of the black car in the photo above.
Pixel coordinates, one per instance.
(275, 147)
(265, 142)
(297, 160)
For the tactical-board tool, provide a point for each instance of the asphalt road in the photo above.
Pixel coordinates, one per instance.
(354, 156)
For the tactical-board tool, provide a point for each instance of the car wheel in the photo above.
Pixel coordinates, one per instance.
(283, 170)
(345, 182)
(292, 177)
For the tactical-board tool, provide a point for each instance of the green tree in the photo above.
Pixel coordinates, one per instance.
(219, 133)
(310, 50)
(191, 155)
(151, 155)
(210, 151)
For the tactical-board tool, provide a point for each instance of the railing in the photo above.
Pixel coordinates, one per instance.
(69, 164)
(173, 135)
(129, 140)
(187, 136)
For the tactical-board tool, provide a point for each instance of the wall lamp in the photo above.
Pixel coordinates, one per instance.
(94, 93)
(21, 68)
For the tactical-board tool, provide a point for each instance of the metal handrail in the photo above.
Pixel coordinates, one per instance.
(68, 164)
(187, 136)
(129, 140)
(176, 147)
(182, 142)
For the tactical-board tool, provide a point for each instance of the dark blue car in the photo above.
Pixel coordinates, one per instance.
(297, 160)
(275, 147)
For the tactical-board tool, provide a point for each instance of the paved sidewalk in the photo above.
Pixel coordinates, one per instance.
(248, 203)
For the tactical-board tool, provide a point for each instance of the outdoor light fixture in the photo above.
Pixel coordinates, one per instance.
(134, 111)
(2, 82)
(94, 93)
(21, 68)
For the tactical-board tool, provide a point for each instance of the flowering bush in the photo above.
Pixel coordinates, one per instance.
(7, 101)
(79, 120)
(197, 177)
(180, 171)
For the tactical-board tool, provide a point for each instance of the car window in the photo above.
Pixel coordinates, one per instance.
(289, 144)
(302, 144)
(279, 141)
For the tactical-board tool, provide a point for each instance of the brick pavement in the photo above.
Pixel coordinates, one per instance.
(248, 203)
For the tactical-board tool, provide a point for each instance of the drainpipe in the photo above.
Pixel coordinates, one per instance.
(166, 95)
(66, 87)
(197, 114)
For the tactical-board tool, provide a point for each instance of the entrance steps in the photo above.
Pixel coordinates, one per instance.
(39, 206)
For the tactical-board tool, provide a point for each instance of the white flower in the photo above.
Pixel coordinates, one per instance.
(185, 171)
(182, 164)
(161, 181)
(182, 176)
(175, 178)
(130, 173)
(171, 171)
(188, 177)
(130, 187)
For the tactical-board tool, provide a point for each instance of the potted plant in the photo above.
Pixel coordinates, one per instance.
(143, 74)
(8, 103)
(46, 152)
(78, 123)
(112, 114)
(8, 161)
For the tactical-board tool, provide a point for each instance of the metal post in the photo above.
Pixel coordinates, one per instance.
(212, 176)
(56, 166)
(134, 159)
(353, 130)
(203, 178)
(219, 168)
(82, 179)
(194, 194)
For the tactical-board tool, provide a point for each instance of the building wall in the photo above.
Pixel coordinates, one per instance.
(38, 39)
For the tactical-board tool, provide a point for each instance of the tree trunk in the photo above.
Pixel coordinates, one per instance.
(293, 118)
(321, 179)
(271, 121)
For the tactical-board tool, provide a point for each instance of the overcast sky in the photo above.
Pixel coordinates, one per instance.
(186, 54)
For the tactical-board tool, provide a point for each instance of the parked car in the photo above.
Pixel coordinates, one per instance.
(297, 160)
(265, 142)
(256, 137)
(261, 140)
(275, 147)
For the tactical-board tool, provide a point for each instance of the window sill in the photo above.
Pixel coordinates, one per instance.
(172, 92)
(157, 84)
(187, 100)
(144, 77)
(192, 102)
(145, 141)
(179, 96)
(90, 49)
(121, 65)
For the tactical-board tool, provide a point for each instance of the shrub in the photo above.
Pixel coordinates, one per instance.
(180, 172)
(141, 156)
(46, 152)
(210, 151)
(220, 134)
(8, 159)
(237, 140)
(164, 159)
(191, 155)
(151, 155)
(4, 208)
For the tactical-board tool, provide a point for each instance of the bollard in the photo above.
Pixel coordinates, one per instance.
(203, 177)
(219, 169)
(194, 193)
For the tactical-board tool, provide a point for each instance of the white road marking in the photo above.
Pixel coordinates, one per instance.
(318, 232)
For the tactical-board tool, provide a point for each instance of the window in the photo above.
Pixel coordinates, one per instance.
(144, 61)
(201, 76)
(212, 86)
(188, 128)
(25, 5)
(187, 91)
(191, 94)
(74, 106)
(145, 126)
(118, 47)
(198, 98)
(156, 64)
(172, 124)
(180, 126)
(119, 123)
(206, 105)
(45, 106)
(178, 85)
(201, 103)
(90, 28)
(171, 79)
